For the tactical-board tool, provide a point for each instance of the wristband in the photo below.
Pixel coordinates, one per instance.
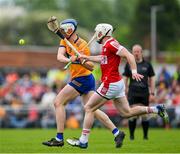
(84, 60)
(134, 71)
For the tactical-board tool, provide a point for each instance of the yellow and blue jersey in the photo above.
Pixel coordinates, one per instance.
(82, 79)
(77, 70)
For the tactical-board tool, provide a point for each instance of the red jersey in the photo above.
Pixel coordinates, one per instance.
(110, 61)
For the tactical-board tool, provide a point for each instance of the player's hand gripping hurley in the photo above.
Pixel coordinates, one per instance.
(92, 39)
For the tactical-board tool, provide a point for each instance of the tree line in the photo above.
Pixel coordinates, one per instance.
(130, 18)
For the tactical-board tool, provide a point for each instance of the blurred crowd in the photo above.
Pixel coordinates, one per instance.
(26, 99)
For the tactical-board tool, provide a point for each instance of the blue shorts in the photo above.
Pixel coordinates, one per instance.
(83, 84)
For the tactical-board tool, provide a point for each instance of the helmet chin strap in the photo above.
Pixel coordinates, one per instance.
(70, 36)
(100, 41)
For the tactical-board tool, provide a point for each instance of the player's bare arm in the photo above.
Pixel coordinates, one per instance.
(96, 59)
(61, 55)
(123, 52)
(84, 62)
(62, 58)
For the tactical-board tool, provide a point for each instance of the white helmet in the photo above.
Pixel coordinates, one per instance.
(103, 30)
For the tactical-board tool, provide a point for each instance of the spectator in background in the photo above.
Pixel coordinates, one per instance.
(176, 78)
(1, 78)
(164, 88)
(33, 116)
(162, 92)
(176, 97)
(48, 97)
(72, 122)
(18, 118)
(2, 115)
(176, 105)
(12, 77)
(164, 76)
(112, 112)
(35, 76)
(23, 88)
(56, 75)
(138, 91)
(74, 108)
(48, 119)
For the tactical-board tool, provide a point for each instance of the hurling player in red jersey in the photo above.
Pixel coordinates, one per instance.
(112, 86)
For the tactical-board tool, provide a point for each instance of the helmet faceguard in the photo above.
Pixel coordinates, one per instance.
(68, 27)
(103, 30)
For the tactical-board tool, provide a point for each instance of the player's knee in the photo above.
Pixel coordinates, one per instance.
(126, 114)
(87, 108)
(58, 103)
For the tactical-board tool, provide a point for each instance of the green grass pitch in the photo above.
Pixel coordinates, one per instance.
(101, 141)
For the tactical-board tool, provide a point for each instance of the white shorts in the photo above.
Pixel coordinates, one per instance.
(112, 90)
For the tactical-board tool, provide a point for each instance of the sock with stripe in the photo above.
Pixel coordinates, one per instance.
(152, 109)
(84, 136)
(115, 132)
(59, 137)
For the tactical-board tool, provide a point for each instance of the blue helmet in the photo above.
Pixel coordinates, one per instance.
(68, 27)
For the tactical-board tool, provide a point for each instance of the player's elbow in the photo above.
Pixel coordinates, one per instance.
(60, 58)
(131, 58)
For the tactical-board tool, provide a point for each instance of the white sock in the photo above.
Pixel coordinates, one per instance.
(84, 136)
(152, 109)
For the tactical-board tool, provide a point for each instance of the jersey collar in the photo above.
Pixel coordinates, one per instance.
(111, 38)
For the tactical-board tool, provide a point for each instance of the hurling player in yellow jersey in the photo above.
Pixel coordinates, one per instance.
(82, 83)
